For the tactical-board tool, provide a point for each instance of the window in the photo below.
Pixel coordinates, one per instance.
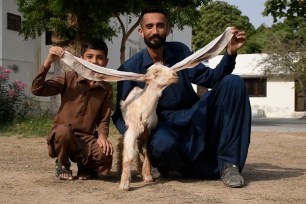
(257, 87)
(48, 38)
(300, 99)
(13, 22)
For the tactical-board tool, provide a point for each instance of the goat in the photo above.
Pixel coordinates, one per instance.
(139, 113)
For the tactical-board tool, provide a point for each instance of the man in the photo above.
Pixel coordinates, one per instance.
(204, 138)
(80, 128)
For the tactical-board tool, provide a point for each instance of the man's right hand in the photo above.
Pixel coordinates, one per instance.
(54, 53)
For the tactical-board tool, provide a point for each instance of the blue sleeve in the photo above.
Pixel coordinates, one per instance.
(207, 77)
(117, 115)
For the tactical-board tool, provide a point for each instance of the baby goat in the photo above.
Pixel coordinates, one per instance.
(139, 114)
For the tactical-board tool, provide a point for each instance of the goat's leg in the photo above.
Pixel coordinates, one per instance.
(139, 162)
(120, 155)
(128, 154)
(140, 156)
(146, 166)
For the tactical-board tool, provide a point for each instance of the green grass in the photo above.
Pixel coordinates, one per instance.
(32, 127)
(39, 126)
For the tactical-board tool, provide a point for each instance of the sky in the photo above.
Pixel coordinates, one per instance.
(253, 10)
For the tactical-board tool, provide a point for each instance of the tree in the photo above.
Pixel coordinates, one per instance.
(182, 13)
(73, 21)
(286, 52)
(83, 18)
(215, 17)
(285, 8)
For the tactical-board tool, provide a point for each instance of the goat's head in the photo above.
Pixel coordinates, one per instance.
(160, 75)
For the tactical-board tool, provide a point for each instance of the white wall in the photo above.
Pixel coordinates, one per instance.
(280, 99)
(15, 50)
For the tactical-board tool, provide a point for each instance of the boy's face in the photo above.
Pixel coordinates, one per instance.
(97, 57)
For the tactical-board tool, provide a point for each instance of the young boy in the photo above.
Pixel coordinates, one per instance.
(80, 128)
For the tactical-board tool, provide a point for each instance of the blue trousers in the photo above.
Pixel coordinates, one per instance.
(225, 127)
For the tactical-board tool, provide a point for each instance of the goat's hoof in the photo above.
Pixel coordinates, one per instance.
(124, 186)
(147, 178)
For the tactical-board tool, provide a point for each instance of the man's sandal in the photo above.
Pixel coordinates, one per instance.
(62, 172)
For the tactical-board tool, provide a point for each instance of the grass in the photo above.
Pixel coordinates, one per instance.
(32, 127)
(39, 126)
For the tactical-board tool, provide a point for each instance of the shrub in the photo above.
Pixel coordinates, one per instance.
(13, 104)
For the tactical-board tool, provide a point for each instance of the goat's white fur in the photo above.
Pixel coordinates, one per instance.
(139, 113)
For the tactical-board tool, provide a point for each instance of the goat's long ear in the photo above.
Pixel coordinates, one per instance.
(211, 50)
(98, 73)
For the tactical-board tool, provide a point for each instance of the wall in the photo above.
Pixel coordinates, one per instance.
(15, 50)
(280, 99)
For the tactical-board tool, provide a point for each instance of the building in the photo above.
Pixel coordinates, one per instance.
(271, 98)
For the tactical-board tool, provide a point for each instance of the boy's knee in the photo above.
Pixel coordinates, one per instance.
(63, 133)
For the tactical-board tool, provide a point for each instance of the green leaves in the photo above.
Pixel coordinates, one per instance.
(215, 18)
(285, 8)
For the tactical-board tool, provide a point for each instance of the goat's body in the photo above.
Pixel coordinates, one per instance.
(139, 114)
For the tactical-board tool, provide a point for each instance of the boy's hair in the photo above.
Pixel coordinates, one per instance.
(95, 44)
(153, 10)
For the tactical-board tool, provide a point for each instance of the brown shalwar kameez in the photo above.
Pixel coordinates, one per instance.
(83, 115)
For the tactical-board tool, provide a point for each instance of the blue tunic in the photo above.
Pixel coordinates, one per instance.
(180, 111)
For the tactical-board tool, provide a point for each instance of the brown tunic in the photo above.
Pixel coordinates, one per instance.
(85, 107)
(85, 110)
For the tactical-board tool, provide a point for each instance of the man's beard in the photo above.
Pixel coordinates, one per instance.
(155, 45)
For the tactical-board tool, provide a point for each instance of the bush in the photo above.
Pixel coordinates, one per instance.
(13, 104)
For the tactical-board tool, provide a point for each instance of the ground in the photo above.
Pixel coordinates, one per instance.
(275, 173)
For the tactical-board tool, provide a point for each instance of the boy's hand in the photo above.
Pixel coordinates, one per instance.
(105, 144)
(54, 53)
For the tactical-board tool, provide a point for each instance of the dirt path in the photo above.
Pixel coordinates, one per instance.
(275, 173)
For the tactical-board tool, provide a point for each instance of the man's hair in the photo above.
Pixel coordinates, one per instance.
(95, 44)
(153, 10)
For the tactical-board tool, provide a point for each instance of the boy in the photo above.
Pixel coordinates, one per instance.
(80, 128)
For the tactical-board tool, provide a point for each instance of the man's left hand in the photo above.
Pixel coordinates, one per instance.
(237, 41)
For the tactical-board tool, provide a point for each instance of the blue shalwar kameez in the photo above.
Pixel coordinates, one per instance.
(194, 136)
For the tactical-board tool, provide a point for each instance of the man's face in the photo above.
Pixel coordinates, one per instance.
(154, 29)
(97, 57)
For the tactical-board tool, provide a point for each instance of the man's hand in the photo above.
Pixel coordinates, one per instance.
(105, 144)
(54, 53)
(237, 41)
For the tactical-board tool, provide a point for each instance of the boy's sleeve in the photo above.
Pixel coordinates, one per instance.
(105, 114)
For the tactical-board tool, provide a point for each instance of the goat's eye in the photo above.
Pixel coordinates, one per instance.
(156, 73)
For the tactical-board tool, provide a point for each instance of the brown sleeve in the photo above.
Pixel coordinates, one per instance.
(105, 114)
(50, 87)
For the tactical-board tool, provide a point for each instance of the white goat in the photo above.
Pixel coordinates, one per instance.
(139, 114)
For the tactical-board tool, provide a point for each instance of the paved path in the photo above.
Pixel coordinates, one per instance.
(279, 124)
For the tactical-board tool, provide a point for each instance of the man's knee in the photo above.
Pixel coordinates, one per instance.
(162, 144)
(233, 81)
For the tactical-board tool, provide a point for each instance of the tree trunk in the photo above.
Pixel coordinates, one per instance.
(122, 49)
